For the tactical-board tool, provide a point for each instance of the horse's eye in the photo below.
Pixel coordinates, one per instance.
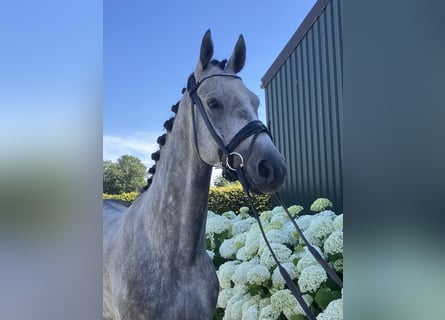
(213, 103)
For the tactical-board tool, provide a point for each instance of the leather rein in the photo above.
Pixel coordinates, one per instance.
(233, 173)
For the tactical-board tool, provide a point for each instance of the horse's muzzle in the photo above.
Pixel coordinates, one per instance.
(266, 174)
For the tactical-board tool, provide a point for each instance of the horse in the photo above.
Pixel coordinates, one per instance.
(155, 261)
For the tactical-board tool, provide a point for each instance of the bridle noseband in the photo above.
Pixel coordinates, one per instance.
(254, 128)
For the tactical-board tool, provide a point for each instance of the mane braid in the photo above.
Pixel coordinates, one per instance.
(168, 125)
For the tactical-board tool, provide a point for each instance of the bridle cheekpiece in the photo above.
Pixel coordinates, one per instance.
(254, 128)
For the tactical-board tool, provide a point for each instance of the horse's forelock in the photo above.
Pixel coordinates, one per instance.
(220, 64)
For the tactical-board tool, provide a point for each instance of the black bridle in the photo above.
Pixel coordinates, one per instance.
(232, 173)
(254, 128)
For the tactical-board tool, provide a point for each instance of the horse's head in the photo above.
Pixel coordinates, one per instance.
(230, 107)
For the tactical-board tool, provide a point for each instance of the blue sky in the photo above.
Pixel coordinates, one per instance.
(150, 48)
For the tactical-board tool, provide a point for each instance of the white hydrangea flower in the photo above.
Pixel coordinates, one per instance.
(278, 280)
(284, 301)
(281, 251)
(229, 215)
(311, 278)
(239, 240)
(252, 243)
(277, 209)
(307, 259)
(225, 273)
(294, 210)
(288, 232)
(334, 243)
(240, 274)
(240, 288)
(334, 311)
(277, 236)
(211, 214)
(281, 217)
(299, 250)
(234, 309)
(266, 216)
(242, 254)
(273, 225)
(267, 313)
(218, 224)
(292, 257)
(241, 226)
(319, 229)
(304, 222)
(211, 254)
(297, 309)
(227, 249)
(251, 312)
(312, 238)
(264, 302)
(328, 214)
(250, 302)
(224, 296)
(277, 226)
(244, 210)
(258, 274)
(321, 204)
(338, 223)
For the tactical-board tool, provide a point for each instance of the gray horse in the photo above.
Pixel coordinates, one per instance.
(155, 262)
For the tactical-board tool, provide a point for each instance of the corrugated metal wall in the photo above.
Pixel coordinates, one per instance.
(304, 106)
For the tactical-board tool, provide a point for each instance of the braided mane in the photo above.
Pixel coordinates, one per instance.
(168, 125)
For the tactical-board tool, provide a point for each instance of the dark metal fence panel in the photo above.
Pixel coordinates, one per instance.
(304, 105)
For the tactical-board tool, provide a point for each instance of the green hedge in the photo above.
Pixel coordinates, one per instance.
(126, 196)
(231, 197)
(221, 199)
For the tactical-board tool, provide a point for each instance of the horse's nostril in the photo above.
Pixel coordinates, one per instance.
(264, 169)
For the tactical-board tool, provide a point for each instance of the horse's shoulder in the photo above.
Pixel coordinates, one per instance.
(113, 210)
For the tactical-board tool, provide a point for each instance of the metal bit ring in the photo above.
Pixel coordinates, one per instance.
(234, 154)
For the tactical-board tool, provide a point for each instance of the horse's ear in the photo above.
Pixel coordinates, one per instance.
(238, 57)
(206, 51)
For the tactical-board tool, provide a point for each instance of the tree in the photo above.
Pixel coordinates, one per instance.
(127, 174)
(220, 181)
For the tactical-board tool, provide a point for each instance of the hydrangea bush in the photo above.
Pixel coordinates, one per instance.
(251, 286)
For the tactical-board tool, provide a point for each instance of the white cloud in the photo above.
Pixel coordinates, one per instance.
(138, 144)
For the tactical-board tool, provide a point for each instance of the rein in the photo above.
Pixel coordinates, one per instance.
(233, 173)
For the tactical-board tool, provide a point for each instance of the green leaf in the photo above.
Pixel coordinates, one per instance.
(253, 289)
(331, 283)
(208, 244)
(324, 296)
(218, 260)
(333, 257)
(219, 238)
(219, 314)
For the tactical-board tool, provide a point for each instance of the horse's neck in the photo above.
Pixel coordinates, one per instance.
(176, 202)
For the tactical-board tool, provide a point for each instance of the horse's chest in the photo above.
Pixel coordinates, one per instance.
(181, 294)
